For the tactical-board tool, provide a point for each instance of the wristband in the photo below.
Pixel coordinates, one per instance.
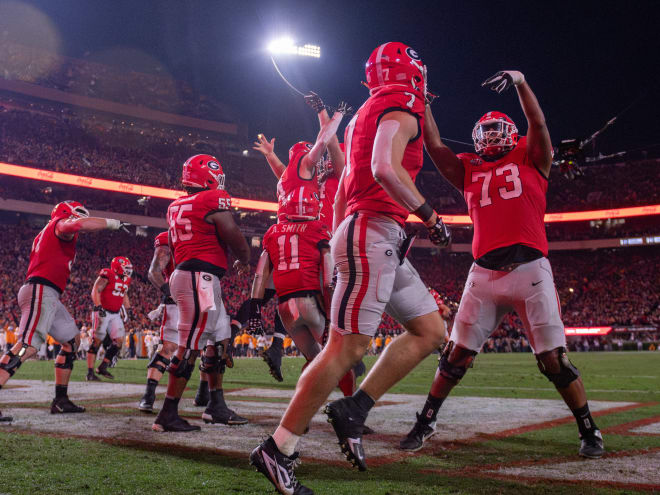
(424, 212)
(112, 224)
(97, 308)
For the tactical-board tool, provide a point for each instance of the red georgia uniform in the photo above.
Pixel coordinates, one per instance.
(294, 249)
(438, 298)
(327, 193)
(362, 191)
(290, 180)
(51, 258)
(191, 237)
(112, 295)
(161, 240)
(506, 201)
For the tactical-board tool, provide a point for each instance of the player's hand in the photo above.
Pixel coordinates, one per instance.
(345, 108)
(256, 326)
(99, 309)
(439, 233)
(503, 80)
(315, 101)
(263, 146)
(114, 224)
(570, 170)
(241, 268)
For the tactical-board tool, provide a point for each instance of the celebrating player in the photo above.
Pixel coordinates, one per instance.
(42, 313)
(505, 186)
(109, 294)
(200, 225)
(383, 156)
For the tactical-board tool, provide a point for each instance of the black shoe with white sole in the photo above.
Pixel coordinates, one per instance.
(416, 437)
(278, 468)
(147, 403)
(64, 406)
(346, 419)
(173, 423)
(5, 419)
(591, 446)
(223, 415)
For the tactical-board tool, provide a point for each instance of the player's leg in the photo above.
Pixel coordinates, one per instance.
(99, 329)
(539, 309)
(273, 355)
(117, 332)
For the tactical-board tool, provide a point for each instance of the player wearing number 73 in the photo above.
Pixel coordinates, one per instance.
(504, 185)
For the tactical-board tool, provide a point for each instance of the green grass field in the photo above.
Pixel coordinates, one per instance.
(32, 463)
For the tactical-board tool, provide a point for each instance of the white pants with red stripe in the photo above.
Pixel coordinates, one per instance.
(370, 278)
(43, 313)
(111, 323)
(195, 326)
(168, 325)
(529, 290)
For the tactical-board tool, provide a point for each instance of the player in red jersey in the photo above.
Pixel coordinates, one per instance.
(200, 226)
(42, 313)
(383, 156)
(109, 294)
(505, 184)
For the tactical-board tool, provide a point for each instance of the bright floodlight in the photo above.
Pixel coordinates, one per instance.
(285, 45)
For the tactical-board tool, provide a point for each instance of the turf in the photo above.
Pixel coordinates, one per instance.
(41, 464)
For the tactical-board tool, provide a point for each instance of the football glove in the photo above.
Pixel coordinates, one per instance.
(315, 101)
(570, 170)
(503, 80)
(439, 234)
(255, 325)
(99, 309)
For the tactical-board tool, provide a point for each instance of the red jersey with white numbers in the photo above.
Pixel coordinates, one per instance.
(327, 192)
(112, 295)
(506, 201)
(51, 258)
(290, 180)
(362, 191)
(438, 298)
(294, 249)
(161, 240)
(191, 236)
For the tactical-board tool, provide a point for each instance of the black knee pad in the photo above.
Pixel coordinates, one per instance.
(69, 358)
(14, 361)
(159, 362)
(111, 352)
(181, 368)
(455, 371)
(209, 364)
(567, 372)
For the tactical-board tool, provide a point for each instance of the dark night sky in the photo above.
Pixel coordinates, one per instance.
(585, 60)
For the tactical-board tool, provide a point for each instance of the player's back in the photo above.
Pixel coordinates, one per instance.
(51, 258)
(362, 191)
(294, 249)
(506, 201)
(194, 243)
(290, 180)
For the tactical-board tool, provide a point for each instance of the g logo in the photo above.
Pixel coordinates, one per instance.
(412, 53)
(206, 277)
(213, 165)
(388, 252)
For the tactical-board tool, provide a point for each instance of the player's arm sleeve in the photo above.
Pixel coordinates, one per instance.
(442, 157)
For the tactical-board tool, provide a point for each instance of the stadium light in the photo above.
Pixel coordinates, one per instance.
(286, 46)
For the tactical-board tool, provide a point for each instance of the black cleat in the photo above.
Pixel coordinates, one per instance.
(366, 430)
(349, 426)
(278, 468)
(5, 419)
(173, 423)
(591, 445)
(273, 358)
(415, 439)
(202, 396)
(91, 377)
(64, 406)
(147, 403)
(223, 415)
(103, 371)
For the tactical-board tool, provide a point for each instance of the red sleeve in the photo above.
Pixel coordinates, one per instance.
(161, 240)
(405, 102)
(104, 273)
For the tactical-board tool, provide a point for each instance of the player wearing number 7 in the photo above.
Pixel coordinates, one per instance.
(505, 185)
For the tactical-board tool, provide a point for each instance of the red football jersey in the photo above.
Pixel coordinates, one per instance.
(362, 191)
(161, 240)
(294, 250)
(112, 295)
(51, 258)
(191, 237)
(506, 201)
(290, 180)
(438, 299)
(327, 193)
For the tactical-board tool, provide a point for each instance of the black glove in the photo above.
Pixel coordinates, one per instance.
(124, 226)
(439, 234)
(255, 325)
(570, 169)
(345, 108)
(314, 101)
(99, 309)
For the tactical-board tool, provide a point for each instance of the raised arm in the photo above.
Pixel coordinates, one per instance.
(443, 158)
(325, 135)
(267, 148)
(228, 233)
(539, 145)
(67, 229)
(336, 154)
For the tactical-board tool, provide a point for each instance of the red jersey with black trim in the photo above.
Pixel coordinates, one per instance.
(190, 235)
(112, 295)
(506, 201)
(327, 193)
(290, 180)
(362, 191)
(51, 258)
(162, 240)
(294, 249)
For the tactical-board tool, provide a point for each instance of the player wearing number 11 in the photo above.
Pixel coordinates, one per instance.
(505, 185)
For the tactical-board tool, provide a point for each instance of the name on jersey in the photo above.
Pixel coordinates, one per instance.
(292, 227)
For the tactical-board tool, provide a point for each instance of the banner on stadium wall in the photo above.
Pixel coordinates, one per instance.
(636, 328)
(250, 204)
(587, 330)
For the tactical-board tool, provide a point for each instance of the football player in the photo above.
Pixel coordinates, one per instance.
(42, 313)
(383, 156)
(200, 226)
(504, 184)
(109, 294)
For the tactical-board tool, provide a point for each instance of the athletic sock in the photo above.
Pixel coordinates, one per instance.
(170, 405)
(278, 340)
(285, 440)
(61, 391)
(151, 386)
(585, 422)
(90, 371)
(217, 398)
(430, 410)
(203, 384)
(363, 402)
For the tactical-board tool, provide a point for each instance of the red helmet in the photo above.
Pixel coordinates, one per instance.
(122, 266)
(303, 203)
(203, 171)
(395, 63)
(300, 147)
(67, 209)
(494, 134)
